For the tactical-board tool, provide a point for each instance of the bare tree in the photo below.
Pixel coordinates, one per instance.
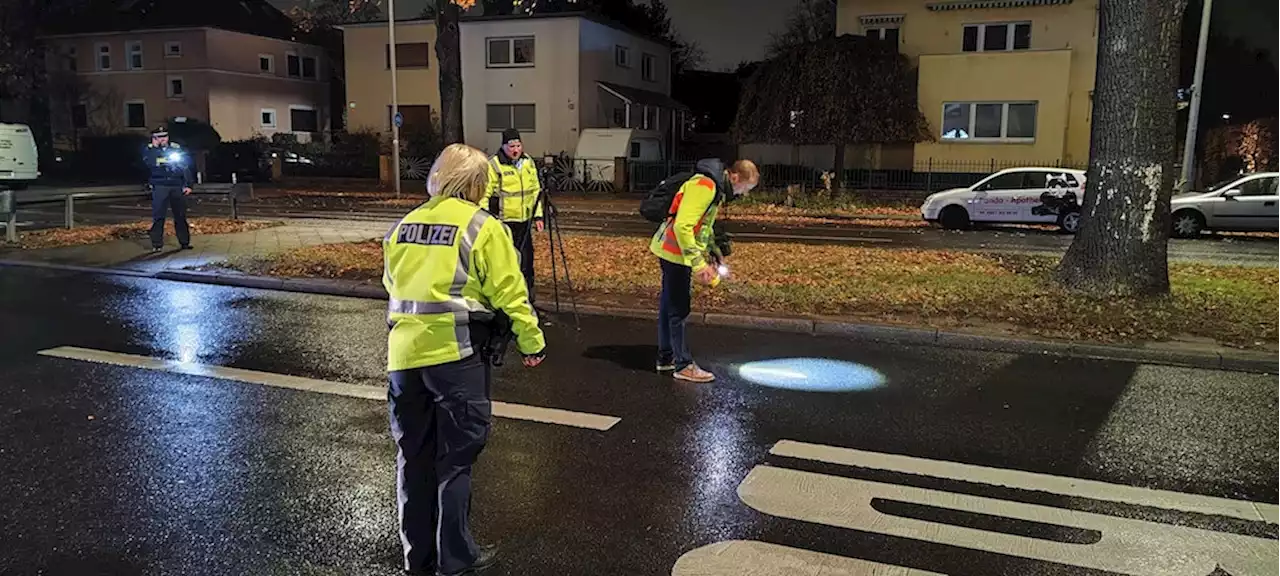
(811, 21)
(1122, 246)
(449, 55)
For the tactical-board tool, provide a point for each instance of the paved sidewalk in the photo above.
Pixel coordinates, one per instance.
(209, 249)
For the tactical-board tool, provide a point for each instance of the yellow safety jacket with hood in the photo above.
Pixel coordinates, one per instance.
(444, 261)
(513, 188)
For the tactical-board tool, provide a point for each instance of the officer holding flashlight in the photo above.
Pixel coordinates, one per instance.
(169, 181)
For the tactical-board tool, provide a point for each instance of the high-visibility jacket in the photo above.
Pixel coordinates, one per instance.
(515, 187)
(684, 239)
(442, 262)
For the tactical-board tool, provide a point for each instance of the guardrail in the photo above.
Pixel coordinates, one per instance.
(9, 205)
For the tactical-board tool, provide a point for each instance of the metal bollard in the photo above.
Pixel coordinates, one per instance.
(9, 208)
(231, 195)
(69, 212)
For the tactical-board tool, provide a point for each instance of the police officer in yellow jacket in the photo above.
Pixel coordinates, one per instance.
(513, 197)
(448, 264)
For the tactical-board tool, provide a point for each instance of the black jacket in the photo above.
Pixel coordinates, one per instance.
(168, 166)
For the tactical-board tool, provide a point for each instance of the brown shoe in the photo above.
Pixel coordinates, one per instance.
(692, 373)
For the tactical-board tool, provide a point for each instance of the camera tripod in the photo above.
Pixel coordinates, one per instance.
(555, 245)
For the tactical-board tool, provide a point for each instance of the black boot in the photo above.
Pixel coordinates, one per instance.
(487, 557)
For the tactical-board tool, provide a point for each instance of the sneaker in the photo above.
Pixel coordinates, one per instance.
(665, 366)
(692, 373)
(187, 247)
(156, 249)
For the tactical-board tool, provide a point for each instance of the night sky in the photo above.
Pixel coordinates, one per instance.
(731, 31)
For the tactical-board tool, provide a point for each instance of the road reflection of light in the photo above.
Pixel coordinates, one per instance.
(717, 444)
(812, 375)
(187, 311)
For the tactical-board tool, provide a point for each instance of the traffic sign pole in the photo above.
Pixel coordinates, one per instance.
(395, 97)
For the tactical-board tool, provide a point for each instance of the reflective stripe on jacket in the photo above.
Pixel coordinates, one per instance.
(516, 186)
(443, 261)
(684, 238)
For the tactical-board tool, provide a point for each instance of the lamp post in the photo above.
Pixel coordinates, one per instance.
(395, 103)
(1193, 116)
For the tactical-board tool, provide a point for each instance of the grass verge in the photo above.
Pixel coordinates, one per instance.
(1009, 294)
(83, 235)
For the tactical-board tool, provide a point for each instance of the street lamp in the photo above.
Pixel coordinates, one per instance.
(395, 97)
(1197, 88)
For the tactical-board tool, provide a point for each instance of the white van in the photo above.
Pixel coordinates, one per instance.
(19, 161)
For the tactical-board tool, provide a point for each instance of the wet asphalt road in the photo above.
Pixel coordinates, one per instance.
(117, 470)
(1212, 248)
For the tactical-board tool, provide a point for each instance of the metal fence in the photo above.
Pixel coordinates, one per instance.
(925, 176)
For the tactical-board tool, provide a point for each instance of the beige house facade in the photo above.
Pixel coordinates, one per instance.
(132, 81)
(549, 76)
(1008, 81)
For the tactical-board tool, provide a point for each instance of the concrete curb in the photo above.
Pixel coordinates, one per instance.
(1231, 360)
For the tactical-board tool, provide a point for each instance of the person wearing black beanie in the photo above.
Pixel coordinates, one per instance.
(513, 198)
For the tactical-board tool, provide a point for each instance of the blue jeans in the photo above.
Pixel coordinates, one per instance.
(673, 311)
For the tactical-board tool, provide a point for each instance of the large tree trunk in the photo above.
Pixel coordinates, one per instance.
(449, 56)
(1121, 248)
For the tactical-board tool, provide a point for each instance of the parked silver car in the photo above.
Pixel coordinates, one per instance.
(1244, 204)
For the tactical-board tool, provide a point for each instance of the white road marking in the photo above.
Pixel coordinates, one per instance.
(750, 558)
(1127, 546)
(1092, 489)
(500, 409)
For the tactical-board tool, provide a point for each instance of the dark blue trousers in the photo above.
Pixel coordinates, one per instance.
(673, 310)
(162, 199)
(440, 418)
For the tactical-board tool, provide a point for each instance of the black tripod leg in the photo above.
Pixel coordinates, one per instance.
(573, 299)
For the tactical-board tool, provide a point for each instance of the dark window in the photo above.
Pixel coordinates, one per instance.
(995, 38)
(264, 64)
(499, 117)
(104, 57)
(269, 118)
(1259, 187)
(635, 149)
(294, 66)
(891, 36)
(622, 56)
(1022, 121)
(647, 64)
(409, 55)
(135, 114)
(987, 120)
(71, 59)
(1010, 181)
(970, 38)
(1021, 36)
(523, 49)
(301, 120)
(79, 116)
(176, 89)
(308, 67)
(500, 52)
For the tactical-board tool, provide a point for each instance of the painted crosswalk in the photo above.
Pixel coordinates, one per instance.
(1105, 542)
(500, 409)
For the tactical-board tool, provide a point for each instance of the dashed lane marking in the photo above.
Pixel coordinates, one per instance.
(500, 409)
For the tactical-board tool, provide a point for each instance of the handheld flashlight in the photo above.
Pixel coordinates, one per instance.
(175, 157)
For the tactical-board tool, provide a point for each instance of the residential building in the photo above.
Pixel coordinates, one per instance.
(231, 63)
(1009, 81)
(550, 76)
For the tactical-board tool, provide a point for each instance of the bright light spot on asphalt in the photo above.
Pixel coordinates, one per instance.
(812, 375)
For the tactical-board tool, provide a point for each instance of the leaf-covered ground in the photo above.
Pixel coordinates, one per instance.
(82, 235)
(1231, 305)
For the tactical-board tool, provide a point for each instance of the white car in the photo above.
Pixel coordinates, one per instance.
(1013, 196)
(19, 160)
(1244, 204)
